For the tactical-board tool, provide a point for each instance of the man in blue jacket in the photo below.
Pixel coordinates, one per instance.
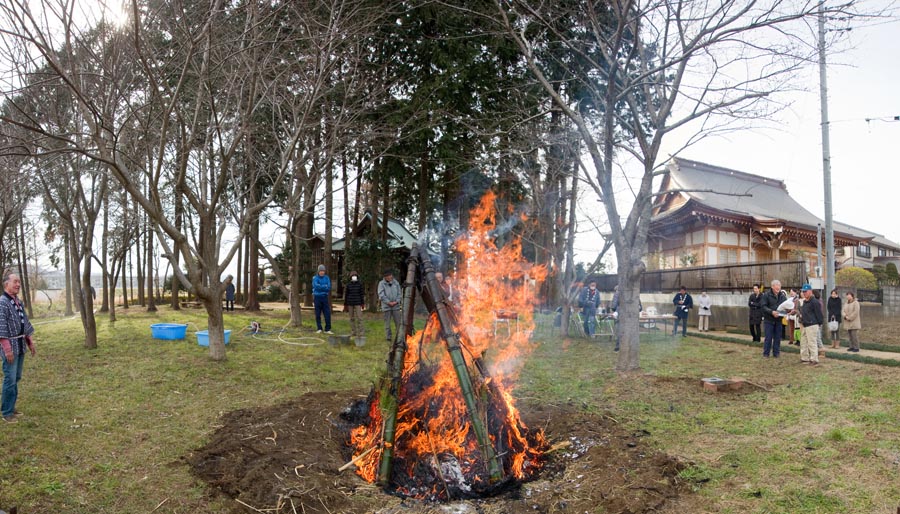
(321, 289)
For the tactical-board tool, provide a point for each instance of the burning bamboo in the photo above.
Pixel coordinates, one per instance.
(451, 338)
(395, 365)
(442, 420)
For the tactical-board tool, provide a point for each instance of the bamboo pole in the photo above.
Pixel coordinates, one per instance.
(395, 364)
(448, 329)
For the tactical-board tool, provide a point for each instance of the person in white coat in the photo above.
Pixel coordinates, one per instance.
(705, 303)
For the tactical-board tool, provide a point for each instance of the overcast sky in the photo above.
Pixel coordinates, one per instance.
(863, 83)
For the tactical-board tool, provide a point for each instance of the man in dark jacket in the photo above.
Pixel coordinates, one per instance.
(590, 302)
(683, 303)
(755, 313)
(811, 319)
(355, 302)
(771, 299)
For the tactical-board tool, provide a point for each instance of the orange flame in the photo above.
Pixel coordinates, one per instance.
(496, 291)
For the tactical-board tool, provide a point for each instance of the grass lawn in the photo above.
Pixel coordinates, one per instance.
(105, 431)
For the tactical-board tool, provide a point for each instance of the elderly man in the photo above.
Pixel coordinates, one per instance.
(811, 319)
(771, 300)
(15, 336)
(389, 293)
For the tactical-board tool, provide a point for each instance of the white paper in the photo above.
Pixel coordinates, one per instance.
(787, 305)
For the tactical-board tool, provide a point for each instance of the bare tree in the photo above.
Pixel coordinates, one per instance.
(647, 68)
(187, 79)
(15, 182)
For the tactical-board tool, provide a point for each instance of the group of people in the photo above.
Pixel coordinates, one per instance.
(683, 302)
(389, 294)
(801, 316)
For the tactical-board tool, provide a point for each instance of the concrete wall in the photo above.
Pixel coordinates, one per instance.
(891, 300)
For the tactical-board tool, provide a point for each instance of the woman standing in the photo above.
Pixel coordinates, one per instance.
(705, 302)
(834, 315)
(756, 314)
(229, 293)
(850, 314)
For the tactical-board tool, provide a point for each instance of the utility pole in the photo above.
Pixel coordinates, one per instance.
(826, 152)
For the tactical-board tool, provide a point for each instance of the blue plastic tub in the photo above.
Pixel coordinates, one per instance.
(203, 337)
(170, 331)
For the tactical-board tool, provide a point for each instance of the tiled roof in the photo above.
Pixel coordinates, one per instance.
(763, 199)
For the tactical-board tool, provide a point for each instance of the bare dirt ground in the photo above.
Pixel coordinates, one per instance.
(285, 459)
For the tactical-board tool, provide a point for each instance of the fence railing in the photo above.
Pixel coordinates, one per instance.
(870, 295)
(732, 277)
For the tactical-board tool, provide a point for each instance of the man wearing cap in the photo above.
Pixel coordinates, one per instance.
(321, 289)
(389, 294)
(811, 318)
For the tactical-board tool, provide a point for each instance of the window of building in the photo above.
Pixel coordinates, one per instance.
(728, 256)
(863, 250)
(882, 252)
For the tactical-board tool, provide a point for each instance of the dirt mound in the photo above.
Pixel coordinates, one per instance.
(285, 459)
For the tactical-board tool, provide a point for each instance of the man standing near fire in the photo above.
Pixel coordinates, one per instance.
(389, 294)
(15, 336)
(811, 319)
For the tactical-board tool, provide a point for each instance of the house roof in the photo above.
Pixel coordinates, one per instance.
(878, 239)
(735, 194)
(398, 235)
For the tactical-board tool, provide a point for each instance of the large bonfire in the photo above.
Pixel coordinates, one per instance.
(462, 361)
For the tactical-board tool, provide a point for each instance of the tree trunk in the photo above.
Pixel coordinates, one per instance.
(23, 265)
(112, 276)
(252, 303)
(245, 271)
(628, 320)
(329, 214)
(151, 274)
(346, 192)
(138, 264)
(176, 255)
(87, 311)
(294, 272)
(127, 281)
(215, 325)
(67, 270)
(104, 257)
(570, 251)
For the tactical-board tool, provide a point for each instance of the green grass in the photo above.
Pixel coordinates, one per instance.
(106, 430)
